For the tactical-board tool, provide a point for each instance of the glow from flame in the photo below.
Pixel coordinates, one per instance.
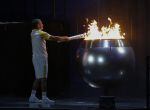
(112, 31)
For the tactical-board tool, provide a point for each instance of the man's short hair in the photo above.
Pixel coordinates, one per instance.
(35, 22)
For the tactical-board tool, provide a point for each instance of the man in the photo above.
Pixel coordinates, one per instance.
(40, 58)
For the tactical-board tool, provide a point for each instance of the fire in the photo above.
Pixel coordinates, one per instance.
(93, 32)
(112, 31)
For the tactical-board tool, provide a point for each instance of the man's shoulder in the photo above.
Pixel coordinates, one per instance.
(40, 33)
(36, 32)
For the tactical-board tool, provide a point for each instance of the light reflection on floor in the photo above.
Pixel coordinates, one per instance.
(70, 104)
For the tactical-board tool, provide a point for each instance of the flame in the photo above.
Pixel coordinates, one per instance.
(112, 31)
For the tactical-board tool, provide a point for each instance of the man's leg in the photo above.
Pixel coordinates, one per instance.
(45, 99)
(44, 87)
(36, 85)
(33, 97)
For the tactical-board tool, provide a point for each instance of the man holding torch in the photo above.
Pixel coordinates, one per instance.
(40, 58)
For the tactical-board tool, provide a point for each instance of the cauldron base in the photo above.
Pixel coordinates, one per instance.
(107, 103)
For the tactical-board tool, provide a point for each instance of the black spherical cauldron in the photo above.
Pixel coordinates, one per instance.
(105, 61)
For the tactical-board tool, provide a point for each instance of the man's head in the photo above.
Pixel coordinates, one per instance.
(37, 24)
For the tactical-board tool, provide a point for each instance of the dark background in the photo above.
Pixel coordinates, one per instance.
(67, 17)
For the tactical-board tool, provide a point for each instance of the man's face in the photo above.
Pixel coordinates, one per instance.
(40, 25)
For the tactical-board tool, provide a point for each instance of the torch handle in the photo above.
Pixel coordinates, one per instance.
(80, 36)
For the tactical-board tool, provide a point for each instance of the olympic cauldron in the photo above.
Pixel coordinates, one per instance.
(105, 56)
(105, 61)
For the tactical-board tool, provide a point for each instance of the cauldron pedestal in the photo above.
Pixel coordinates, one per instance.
(107, 103)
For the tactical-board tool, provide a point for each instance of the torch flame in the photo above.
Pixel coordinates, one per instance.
(112, 31)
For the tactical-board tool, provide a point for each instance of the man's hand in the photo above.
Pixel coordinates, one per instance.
(63, 39)
(66, 38)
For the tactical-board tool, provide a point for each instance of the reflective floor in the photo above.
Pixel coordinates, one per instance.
(69, 104)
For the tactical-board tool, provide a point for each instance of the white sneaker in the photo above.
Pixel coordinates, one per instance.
(34, 99)
(47, 100)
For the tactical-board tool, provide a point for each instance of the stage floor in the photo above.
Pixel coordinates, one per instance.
(69, 104)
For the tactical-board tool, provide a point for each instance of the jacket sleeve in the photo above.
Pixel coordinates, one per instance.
(45, 35)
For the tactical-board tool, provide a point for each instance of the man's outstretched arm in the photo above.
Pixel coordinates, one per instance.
(47, 36)
(59, 38)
